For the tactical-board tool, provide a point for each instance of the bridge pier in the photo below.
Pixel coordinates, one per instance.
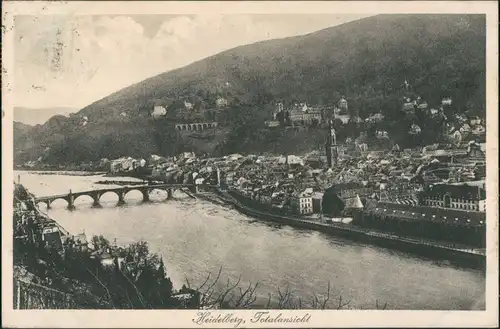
(170, 192)
(145, 196)
(96, 198)
(71, 201)
(121, 198)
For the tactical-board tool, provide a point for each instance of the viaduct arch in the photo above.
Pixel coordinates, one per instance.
(195, 126)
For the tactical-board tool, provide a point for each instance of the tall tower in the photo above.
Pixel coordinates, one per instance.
(331, 146)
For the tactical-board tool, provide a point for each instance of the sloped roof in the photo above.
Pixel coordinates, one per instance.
(354, 203)
(438, 215)
(457, 191)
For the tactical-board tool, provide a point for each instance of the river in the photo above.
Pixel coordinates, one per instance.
(196, 237)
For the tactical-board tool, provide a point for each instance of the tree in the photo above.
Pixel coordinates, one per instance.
(331, 204)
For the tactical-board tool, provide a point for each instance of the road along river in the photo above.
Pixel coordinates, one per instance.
(196, 237)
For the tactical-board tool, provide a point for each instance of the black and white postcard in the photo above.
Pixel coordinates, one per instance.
(249, 164)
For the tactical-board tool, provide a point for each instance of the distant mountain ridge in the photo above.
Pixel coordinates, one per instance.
(366, 61)
(34, 116)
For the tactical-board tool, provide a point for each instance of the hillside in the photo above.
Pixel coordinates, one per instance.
(365, 60)
(21, 128)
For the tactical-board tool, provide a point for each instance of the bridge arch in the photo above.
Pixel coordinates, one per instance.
(143, 191)
(43, 205)
(167, 193)
(205, 126)
(110, 197)
(88, 195)
(101, 194)
(51, 202)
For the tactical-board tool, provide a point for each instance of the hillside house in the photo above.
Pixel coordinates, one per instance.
(221, 102)
(408, 107)
(423, 106)
(479, 130)
(374, 118)
(457, 136)
(474, 120)
(382, 134)
(465, 129)
(415, 130)
(446, 101)
(159, 112)
(342, 105)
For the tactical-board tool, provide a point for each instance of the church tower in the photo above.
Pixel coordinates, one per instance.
(331, 146)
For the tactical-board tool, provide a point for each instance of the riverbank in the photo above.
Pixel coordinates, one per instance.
(67, 173)
(421, 247)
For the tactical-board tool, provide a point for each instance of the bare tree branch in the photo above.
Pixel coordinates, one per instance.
(139, 295)
(106, 288)
(204, 282)
(223, 295)
(341, 304)
(323, 306)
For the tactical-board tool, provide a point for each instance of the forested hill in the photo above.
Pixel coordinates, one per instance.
(365, 60)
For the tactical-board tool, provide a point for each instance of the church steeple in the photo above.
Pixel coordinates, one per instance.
(331, 146)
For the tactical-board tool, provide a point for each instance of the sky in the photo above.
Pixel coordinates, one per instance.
(71, 61)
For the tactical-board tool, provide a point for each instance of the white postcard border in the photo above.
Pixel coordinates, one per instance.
(184, 318)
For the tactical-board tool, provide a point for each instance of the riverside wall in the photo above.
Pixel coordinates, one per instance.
(419, 247)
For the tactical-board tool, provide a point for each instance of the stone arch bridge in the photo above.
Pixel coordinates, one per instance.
(195, 126)
(119, 191)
